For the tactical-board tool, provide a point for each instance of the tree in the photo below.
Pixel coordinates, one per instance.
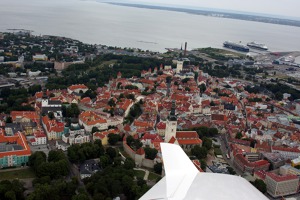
(8, 120)
(95, 129)
(202, 87)
(72, 111)
(158, 168)
(51, 115)
(104, 161)
(150, 153)
(113, 138)
(129, 140)
(203, 164)
(129, 163)
(111, 152)
(213, 132)
(231, 170)
(260, 185)
(207, 143)
(80, 197)
(239, 135)
(199, 152)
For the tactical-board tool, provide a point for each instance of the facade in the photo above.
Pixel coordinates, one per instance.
(278, 186)
(75, 135)
(39, 138)
(288, 169)
(179, 66)
(14, 150)
(241, 162)
(53, 128)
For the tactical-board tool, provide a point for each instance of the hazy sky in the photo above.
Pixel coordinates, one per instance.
(273, 7)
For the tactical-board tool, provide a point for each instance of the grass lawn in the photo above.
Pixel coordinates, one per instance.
(20, 174)
(153, 177)
(139, 173)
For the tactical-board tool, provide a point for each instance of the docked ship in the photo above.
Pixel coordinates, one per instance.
(257, 46)
(236, 46)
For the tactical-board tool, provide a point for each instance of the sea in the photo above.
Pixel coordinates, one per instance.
(148, 29)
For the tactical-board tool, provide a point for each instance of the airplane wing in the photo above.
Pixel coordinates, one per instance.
(184, 181)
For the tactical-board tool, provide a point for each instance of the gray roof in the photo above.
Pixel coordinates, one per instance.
(89, 167)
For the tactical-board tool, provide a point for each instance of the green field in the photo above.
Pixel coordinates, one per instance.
(19, 174)
(153, 177)
(218, 151)
(139, 173)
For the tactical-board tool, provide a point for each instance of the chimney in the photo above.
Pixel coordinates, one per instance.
(185, 46)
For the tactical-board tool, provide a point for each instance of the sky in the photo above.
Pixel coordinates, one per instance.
(271, 7)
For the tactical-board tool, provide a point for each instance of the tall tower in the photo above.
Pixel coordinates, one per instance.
(44, 98)
(171, 124)
(179, 66)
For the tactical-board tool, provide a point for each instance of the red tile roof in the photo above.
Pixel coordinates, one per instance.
(91, 118)
(25, 114)
(19, 139)
(140, 151)
(79, 86)
(186, 134)
(279, 178)
(53, 125)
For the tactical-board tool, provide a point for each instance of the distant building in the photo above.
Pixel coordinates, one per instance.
(80, 88)
(39, 57)
(241, 162)
(90, 119)
(39, 138)
(53, 128)
(75, 135)
(14, 150)
(51, 106)
(278, 186)
(179, 66)
(88, 168)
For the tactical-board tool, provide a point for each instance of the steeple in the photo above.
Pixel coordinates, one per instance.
(172, 116)
(45, 96)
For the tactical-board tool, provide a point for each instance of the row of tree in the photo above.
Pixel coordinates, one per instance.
(55, 166)
(78, 153)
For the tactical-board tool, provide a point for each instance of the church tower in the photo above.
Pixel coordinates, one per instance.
(171, 125)
(179, 66)
(44, 98)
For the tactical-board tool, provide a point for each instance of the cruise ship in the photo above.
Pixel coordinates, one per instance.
(257, 46)
(236, 46)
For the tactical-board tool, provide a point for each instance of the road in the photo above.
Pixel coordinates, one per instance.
(229, 161)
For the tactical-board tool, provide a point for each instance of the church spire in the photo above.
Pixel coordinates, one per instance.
(45, 96)
(172, 116)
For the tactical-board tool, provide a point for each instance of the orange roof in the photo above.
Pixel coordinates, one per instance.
(143, 124)
(91, 118)
(189, 141)
(279, 178)
(172, 140)
(25, 114)
(53, 125)
(186, 134)
(79, 86)
(140, 151)
(18, 138)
